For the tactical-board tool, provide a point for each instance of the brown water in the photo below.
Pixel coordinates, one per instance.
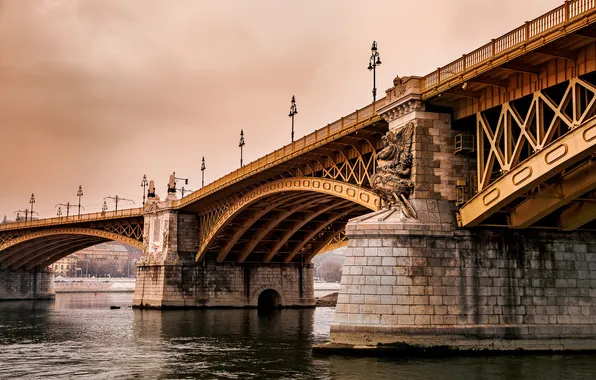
(79, 336)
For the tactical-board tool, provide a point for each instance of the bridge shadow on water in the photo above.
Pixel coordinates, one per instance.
(78, 335)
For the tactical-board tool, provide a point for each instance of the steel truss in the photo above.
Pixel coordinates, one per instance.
(534, 158)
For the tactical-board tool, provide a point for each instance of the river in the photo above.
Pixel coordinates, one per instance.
(77, 335)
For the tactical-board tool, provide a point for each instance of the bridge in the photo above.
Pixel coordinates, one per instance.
(283, 208)
(466, 196)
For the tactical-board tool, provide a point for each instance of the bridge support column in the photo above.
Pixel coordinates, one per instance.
(421, 284)
(167, 262)
(428, 286)
(24, 285)
(168, 276)
(211, 284)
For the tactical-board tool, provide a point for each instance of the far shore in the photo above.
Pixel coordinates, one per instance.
(127, 285)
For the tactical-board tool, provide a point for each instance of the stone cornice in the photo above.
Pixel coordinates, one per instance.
(402, 98)
(399, 109)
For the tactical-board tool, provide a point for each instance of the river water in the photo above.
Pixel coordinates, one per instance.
(77, 335)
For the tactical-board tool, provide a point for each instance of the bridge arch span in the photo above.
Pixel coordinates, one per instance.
(43, 248)
(284, 219)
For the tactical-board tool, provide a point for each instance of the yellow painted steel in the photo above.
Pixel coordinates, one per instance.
(355, 194)
(577, 215)
(561, 21)
(577, 144)
(568, 188)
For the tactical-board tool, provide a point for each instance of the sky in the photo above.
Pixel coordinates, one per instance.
(98, 93)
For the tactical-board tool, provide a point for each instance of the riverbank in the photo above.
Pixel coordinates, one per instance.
(127, 285)
(95, 285)
(329, 300)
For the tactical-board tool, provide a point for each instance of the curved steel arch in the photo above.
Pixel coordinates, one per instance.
(357, 195)
(72, 231)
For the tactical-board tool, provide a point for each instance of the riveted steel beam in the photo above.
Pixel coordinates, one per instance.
(577, 215)
(576, 145)
(571, 186)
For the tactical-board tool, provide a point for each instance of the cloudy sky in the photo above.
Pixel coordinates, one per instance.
(99, 92)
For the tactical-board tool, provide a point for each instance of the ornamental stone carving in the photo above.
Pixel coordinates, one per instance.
(394, 165)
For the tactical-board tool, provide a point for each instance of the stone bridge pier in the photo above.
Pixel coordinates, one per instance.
(169, 277)
(26, 285)
(421, 283)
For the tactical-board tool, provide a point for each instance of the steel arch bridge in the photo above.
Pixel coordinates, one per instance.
(286, 206)
(527, 99)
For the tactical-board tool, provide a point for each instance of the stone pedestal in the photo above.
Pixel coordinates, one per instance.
(23, 285)
(424, 285)
(211, 284)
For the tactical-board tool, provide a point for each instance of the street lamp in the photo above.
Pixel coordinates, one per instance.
(241, 144)
(144, 184)
(375, 60)
(203, 167)
(80, 194)
(117, 199)
(104, 207)
(293, 111)
(59, 213)
(31, 201)
(172, 185)
(68, 205)
(183, 190)
(18, 212)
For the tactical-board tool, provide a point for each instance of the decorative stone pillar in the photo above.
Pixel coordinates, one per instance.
(159, 271)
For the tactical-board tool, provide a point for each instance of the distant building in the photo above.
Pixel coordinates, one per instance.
(110, 258)
(113, 258)
(66, 266)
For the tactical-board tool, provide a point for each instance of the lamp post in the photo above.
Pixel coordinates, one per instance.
(293, 111)
(18, 212)
(173, 185)
(203, 167)
(241, 144)
(375, 60)
(144, 184)
(68, 205)
(182, 190)
(31, 201)
(80, 194)
(117, 199)
(104, 207)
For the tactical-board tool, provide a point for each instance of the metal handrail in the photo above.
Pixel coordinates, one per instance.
(124, 213)
(306, 143)
(570, 10)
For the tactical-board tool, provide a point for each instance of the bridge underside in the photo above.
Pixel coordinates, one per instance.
(37, 248)
(284, 227)
(44, 251)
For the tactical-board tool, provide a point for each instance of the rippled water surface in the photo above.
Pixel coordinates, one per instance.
(79, 336)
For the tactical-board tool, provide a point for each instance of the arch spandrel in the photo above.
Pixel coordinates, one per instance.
(71, 231)
(358, 195)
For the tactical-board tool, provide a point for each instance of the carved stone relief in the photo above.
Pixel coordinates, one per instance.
(394, 164)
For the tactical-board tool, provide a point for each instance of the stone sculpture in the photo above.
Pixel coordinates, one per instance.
(394, 164)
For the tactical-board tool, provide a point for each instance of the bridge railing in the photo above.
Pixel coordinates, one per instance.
(530, 30)
(124, 213)
(310, 141)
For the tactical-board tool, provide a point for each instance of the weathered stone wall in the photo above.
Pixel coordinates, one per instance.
(23, 285)
(435, 169)
(187, 236)
(213, 284)
(428, 284)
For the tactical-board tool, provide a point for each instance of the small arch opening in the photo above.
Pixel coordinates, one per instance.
(269, 299)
